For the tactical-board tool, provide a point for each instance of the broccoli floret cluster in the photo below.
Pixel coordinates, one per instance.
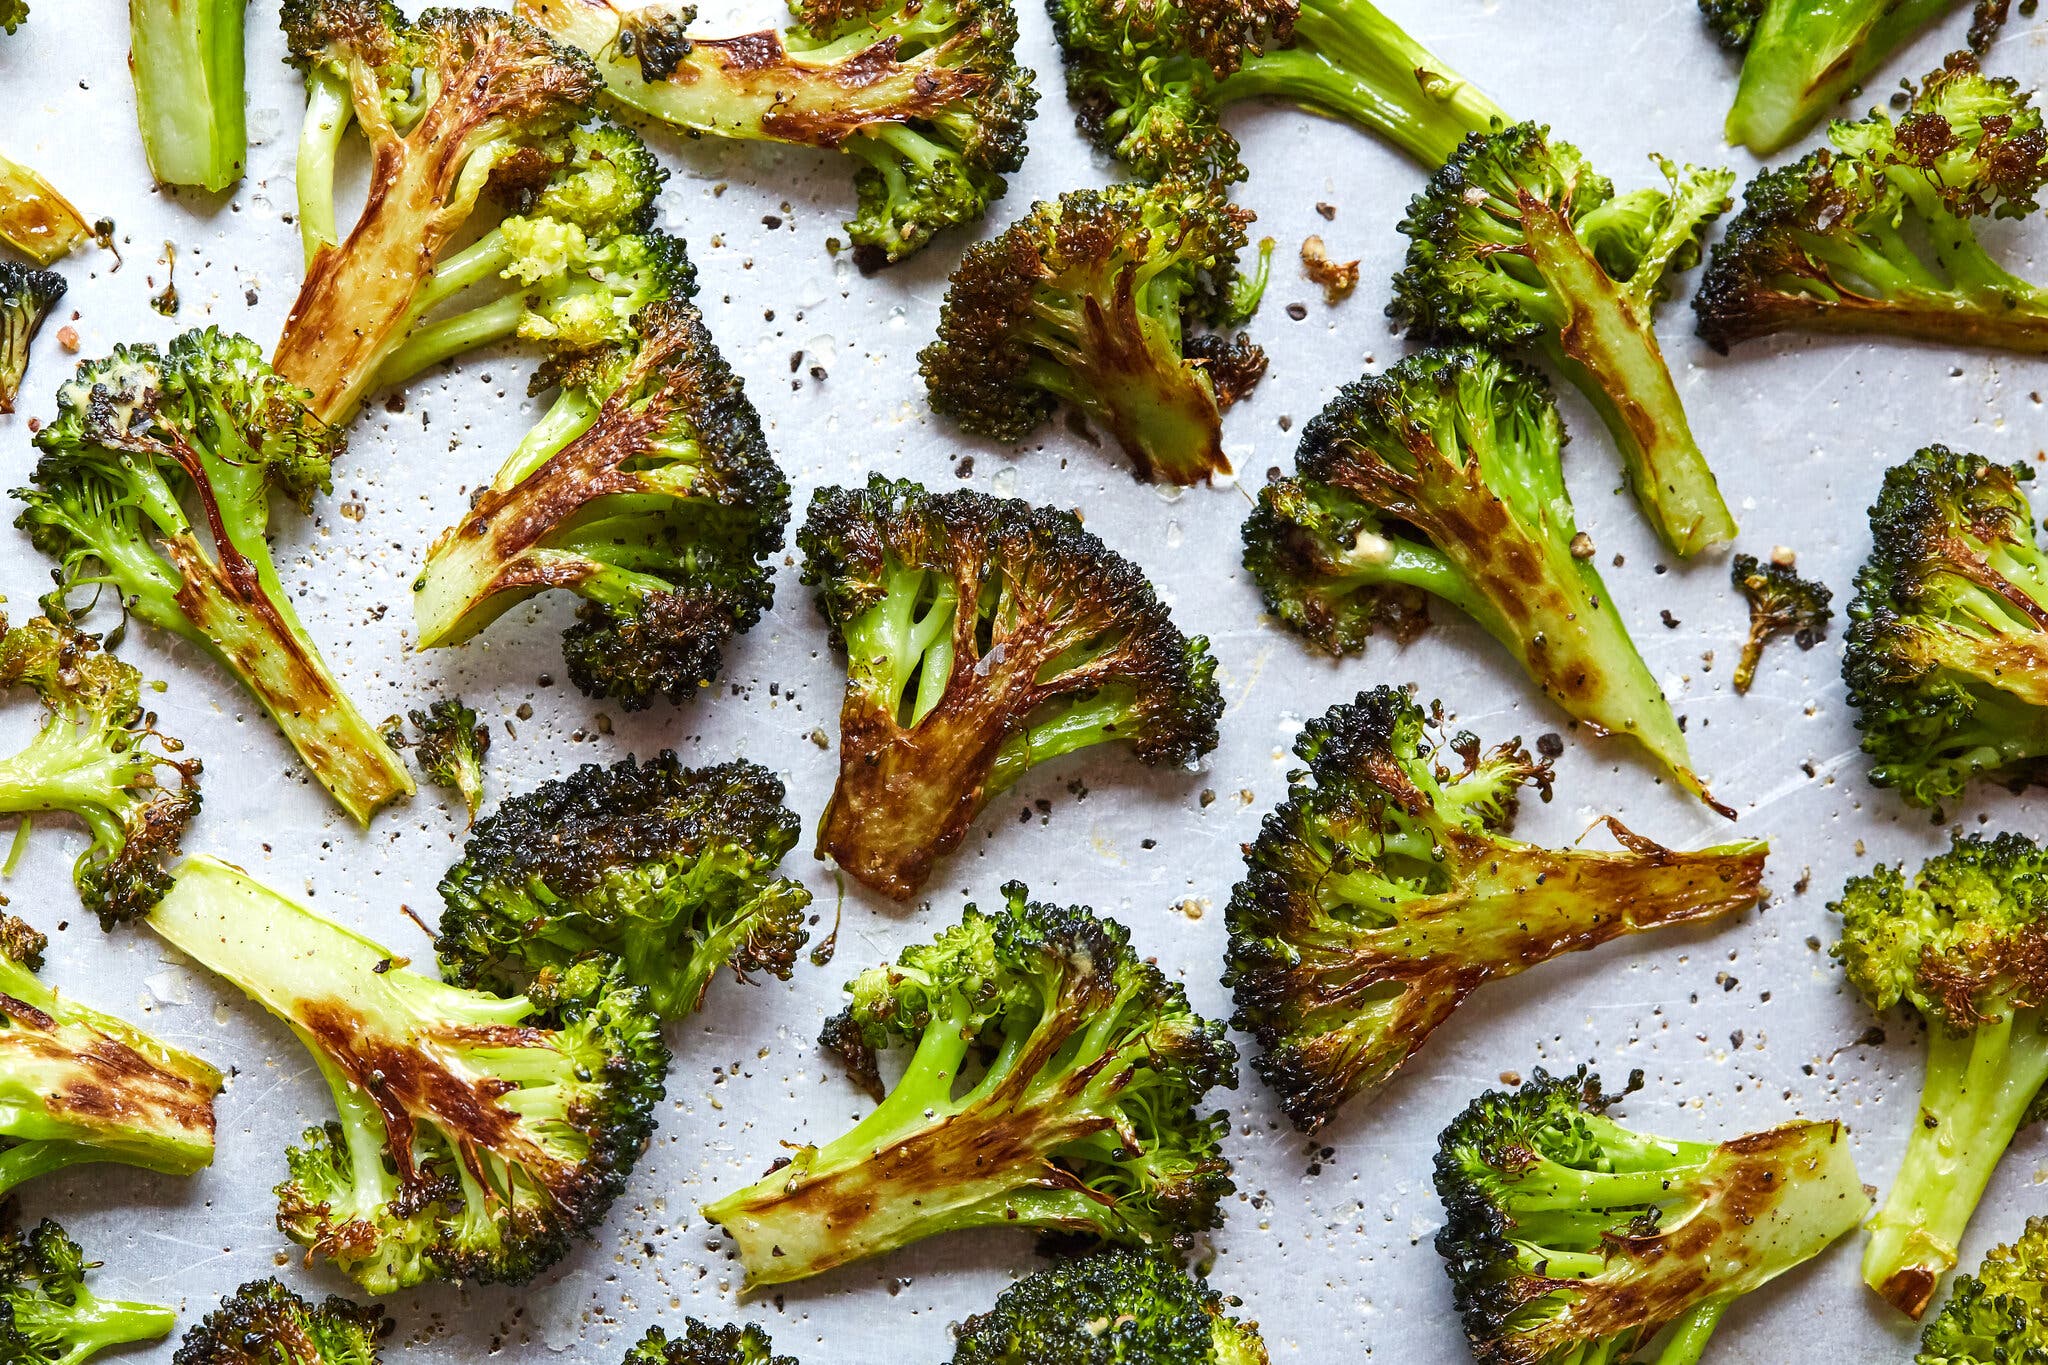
(1780, 603)
(48, 1315)
(1998, 1316)
(702, 1344)
(26, 297)
(1113, 1307)
(264, 1323)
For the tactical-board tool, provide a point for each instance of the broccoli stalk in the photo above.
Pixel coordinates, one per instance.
(263, 1323)
(702, 1344)
(1085, 1119)
(982, 637)
(186, 58)
(1108, 1307)
(1780, 603)
(1999, 1316)
(49, 1317)
(477, 1134)
(1569, 1238)
(34, 219)
(26, 298)
(155, 481)
(1518, 241)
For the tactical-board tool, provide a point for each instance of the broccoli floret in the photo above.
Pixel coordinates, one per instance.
(155, 481)
(1386, 889)
(1444, 477)
(1570, 1239)
(1947, 658)
(1085, 1120)
(1114, 1307)
(13, 14)
(1086, 301)
(1780, 603)
(34, 219)
(649, 491)
(983, 636)
(451, 748)
(1874, 233)
(1519, 241)
(478, 1135)
(188, 66)
(263, 1323)
(669, 869)
(702, 1344)
(49, 1317)
(927, 96)
(1999, 1316)
(26, 297)
(1957, 945)
(1733, 22)
(98, 757)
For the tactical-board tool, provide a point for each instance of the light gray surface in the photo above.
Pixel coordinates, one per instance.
(1737, 1028)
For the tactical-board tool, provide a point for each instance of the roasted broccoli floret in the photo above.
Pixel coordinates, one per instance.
(669, 869)
(1780, 603)
(26, 297)
(926, 96)
(1519, 241)
(1947, 650)
(186, 58)
(478, 1135)
(702, 1344)
(49, 1317)
(1959, 945)
(97, 757)
(1386, 889)
(983, 636)
(451, 745)
(1085, 1119)
(1087, 301)
(13, 14)
(1999, 1316)
(649, 491)
(155, 482)
(34, 219)
(1570, 1239)
(1875, 234)
(263, 1323)
(1114, 1307)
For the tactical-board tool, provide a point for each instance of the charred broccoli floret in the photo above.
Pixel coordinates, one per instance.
(1570, 1239)
(1386, 889)
(702, 1344)
(1087, 301)
(1999, 1316)
(669, 869)
(1519, 241)
(188, 65)
(983, 636)
(1114, 1307)
(451, 745)
(1947, 652)
(927, 96)
(263, 1323)
(649, 491)
(478, 1135)
(1959, 945)
(1780, 603)
(1086, 1118)
(49, 1317)
(155, 482)
(26, 297)
(34, 219)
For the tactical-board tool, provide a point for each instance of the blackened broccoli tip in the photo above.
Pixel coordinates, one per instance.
(451, 748)
(26, 297)
(1387, 888)
(671, 870)
(1961, 944)
(647, 489)
(47, 1313)
(1780, 603)
(1946, 655)
(1088, 301)
(983, 636)
(155, 480)
(264, 1323)
(1568, 1237)
(703, 1344)
(1999, 1314)
(477, 1135)
(1087, 1119)
(188, 66)
(1106, 1308)
(1517, 240)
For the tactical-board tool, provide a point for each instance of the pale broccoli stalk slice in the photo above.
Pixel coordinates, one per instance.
(49, 1317)
(34, 219)
(187, 60)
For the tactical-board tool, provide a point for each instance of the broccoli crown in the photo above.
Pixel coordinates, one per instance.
(1999, 1316)
(1733, 21)
(1780, 603)
(983, 636)
(1113, 1307)
(26, 297)
(702, 1344)
(264, 1323)
(1087, 1118)
(669, 869)
(451, 746)
(46, 1312)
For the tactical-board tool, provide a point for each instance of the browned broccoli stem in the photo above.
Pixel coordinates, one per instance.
(34, 219)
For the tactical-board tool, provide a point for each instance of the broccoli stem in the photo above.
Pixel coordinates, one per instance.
(25, 1161)
(87, 1325)
(329, 112)
(186, 57)
(1687, 1341)
(1803, 58)
(451, 337)
(34, 219)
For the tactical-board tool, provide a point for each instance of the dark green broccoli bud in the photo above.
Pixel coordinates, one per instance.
(155, 481)
(1570, 1239)
(188, 66)
(1780, 603)
(983, 636)
(927, 96)
(669, 869)
(1444, 477)
(1386, 889)
(49, 1317)
(478, 1135)
(451, 748)
(34, 219)
(1999, 1316)
(1519, 241)
(1086, 1119)
(1947, 652)
(1961, 946)
(1086, 302)
(649, 491)
(1733, 21)
(26, 297)
(263, 1323)
(13, 14)
(1114, 1307)
(99, 758)
(702, 1344)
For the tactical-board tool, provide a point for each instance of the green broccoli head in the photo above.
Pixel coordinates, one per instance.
(1780, 603)
(1999, 1316)
(264, 1323)
(26, 297)
(1733, 21)
(451, 747)
(702, 1344)
(1113, 1307)
(48, 1314)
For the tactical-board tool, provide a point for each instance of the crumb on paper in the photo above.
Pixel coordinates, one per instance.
(1337, 279)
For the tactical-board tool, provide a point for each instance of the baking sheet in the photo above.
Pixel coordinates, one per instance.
(1327, 1242)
